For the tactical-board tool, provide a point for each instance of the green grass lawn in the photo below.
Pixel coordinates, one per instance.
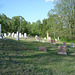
(24, 58)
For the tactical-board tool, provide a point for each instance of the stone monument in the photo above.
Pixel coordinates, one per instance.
(53, 42)
(62, 50)
(72, 45)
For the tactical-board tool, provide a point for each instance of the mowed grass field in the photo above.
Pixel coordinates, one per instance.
(24, 58)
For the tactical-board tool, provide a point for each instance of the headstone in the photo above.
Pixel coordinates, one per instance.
(9, 34)
(58, 38)
(25, 35)
(1, 36)
(20, 35)
(62, 50)
(42, 49)
(47, 36)
(53, 42)
(12, 35)
(55, 39)
(37, 38)
(17, 36)
(43, 41)
(5, 35)
(72, 45)
(64, 43)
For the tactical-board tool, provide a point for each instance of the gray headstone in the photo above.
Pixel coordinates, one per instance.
(62, 50)
(72, 45)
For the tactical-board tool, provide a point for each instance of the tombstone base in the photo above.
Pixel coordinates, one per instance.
(63, 53)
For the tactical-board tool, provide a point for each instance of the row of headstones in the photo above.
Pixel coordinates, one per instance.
(61, 49)
(48, 39)
(14, 35)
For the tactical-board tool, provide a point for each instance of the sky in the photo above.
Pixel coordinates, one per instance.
(31, 10)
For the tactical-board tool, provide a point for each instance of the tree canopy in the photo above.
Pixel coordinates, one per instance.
(60, 22)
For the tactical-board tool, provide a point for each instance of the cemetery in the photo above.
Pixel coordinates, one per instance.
(34, 42)
(29, 56)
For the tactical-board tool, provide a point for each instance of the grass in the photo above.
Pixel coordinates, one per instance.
(24, 58)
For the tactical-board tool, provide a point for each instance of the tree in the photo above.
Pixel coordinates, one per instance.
(66, 10)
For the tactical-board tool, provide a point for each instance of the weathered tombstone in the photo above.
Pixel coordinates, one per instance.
(37, 38)
(62, 50)
(53, 42)
(72, 45)
(1, 36)
(25, 35)
(64, 43)
(42, 49)
(47, 36)
(9, 34)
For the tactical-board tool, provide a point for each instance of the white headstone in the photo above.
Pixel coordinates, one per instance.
(20, 35)
(37, 38)
(49, 38)
(55, 39)
(9, 34)
(58, 38)
(25, 35)
(5, 35)
(15, 35)
(45, 38)
(12, 35)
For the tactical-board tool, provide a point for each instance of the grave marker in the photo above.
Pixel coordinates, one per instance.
(37, 38)
(72, 45)
(25, 35)
(53, 42)
(64, 43)
(42, 49)
(62, 50)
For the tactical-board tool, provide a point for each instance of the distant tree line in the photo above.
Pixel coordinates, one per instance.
(60, 22)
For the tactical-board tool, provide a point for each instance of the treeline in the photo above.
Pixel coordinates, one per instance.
(60, 22)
